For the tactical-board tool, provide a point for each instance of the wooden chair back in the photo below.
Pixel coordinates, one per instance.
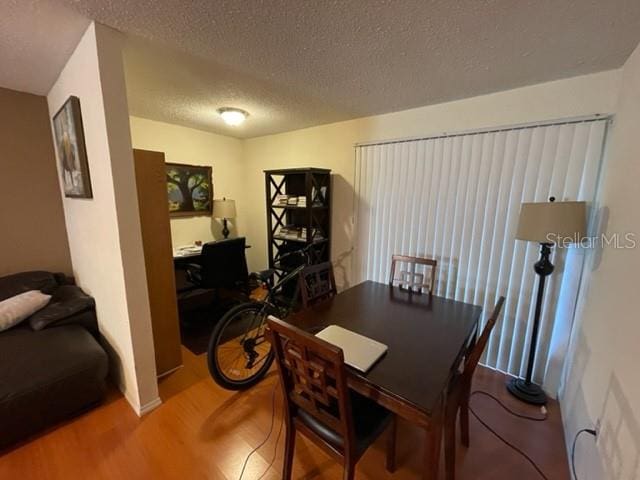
(460, 393)
(472, 359)
(411, 279)
(317, 283)
(313, 378)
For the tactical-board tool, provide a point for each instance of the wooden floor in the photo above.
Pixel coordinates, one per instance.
(202, 431)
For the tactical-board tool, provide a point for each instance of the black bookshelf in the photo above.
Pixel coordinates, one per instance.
(293, 226)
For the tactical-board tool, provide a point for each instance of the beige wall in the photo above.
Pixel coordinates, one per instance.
(104, 232)
(31, 219)
(331, 146)
(602, 380)
(187, 145)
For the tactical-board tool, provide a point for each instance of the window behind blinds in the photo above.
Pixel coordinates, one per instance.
(457, 198)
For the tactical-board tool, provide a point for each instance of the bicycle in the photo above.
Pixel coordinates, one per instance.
(239, 353)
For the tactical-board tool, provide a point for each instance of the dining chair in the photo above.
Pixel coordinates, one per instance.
(459, 393)
(317, 283)
(319, 404)
(411, 278)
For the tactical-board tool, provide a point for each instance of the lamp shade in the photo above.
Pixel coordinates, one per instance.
(552, 222)
(224, 208)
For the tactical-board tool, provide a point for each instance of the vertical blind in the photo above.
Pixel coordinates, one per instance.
(456, 198)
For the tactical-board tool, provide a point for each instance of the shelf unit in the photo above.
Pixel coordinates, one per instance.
(315, 185)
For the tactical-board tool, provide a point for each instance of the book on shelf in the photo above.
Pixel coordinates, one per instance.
(291, 232)
(282, 199)
(290, 200)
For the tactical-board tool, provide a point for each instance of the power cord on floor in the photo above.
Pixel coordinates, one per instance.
(273, 416)
(590, 431)
(506, 442)
(275, 450)
(476, 392)
(512, 412)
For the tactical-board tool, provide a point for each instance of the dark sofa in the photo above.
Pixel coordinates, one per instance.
(51, 364)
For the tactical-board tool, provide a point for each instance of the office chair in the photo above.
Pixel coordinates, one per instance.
(223, 266)
(221, 274)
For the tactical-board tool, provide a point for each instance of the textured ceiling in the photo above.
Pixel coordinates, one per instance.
(36, 39)
(294, 63)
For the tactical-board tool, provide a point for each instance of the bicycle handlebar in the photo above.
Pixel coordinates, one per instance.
(300, 251)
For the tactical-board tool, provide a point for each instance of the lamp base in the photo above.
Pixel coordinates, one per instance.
(225, 229)
(527, 392)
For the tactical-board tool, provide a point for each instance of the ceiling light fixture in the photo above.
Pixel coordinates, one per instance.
(233, 116)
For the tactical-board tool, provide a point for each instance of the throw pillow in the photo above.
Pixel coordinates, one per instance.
(67, 300)
(12, 285)
(15, 309)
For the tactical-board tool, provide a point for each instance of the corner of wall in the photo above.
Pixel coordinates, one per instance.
(116, 110)
(600, 381)
(104, 232)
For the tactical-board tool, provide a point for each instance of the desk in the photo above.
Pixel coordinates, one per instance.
(426, 339)
(190, 254)
(192, 251)
(182, 258)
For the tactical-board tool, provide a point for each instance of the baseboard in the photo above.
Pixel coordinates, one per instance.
(149, 406)
(169, 372)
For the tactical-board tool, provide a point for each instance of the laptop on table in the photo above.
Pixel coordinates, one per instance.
(360, 352)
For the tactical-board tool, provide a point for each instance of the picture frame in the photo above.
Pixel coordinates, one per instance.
(71, 150)
(189, 190)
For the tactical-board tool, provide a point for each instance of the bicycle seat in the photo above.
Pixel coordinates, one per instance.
(264, 275)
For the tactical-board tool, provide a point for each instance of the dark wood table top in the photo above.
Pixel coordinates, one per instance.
(426, 338)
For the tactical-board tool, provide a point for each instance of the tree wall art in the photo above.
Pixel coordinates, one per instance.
(190, 190)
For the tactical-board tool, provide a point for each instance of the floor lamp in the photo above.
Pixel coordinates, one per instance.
(547, 223)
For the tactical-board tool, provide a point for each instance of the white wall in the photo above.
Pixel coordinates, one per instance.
(602, 372)
(104, 232)
(331, 146)
(196, 147)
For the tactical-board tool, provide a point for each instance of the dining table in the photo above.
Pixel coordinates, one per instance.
(427, 337)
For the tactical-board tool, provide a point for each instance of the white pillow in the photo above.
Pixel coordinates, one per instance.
(15, 309)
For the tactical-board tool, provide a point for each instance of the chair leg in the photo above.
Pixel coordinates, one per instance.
(391, 445)
(349, 469)
(450, 444)
(289, 447)
(464, 419)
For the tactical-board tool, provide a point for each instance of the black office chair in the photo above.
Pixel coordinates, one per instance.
(214, 284)
(223, 267)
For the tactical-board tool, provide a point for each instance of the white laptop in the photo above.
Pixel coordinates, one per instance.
(360, 352)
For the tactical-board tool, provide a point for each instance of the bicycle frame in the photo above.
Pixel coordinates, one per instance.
(254, 332)
(293, 274)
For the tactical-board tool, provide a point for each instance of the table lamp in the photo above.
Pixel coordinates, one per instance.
(224, 209)
(546, 223)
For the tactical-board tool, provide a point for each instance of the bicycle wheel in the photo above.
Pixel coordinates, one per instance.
(239, 354)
